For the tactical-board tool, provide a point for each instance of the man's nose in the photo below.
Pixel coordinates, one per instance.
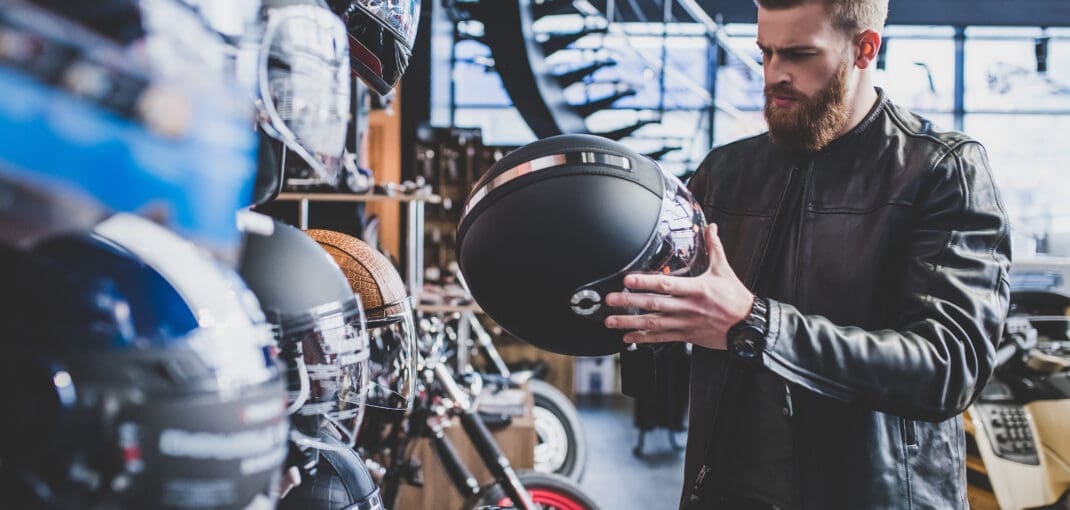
(775, 71)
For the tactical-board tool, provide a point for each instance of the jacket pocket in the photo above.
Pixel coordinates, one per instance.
(909, 432)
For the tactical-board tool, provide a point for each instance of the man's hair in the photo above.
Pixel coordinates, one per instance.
(848, 16)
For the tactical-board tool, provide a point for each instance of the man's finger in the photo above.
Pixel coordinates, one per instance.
(661, 284)
(651, 322)
(650, 302)
(714, 247)
(656, 337)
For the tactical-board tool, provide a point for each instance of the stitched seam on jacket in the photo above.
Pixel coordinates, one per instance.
(999, 204)
(859, 211)
(739, 212)
(892, 114)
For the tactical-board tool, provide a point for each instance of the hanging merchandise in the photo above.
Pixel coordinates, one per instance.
(320, 328)
(381, 35)
(304, 85)
(89, 131)
(145, 376)
(553, 227)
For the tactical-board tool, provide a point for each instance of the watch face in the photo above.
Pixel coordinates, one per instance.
(747, 347)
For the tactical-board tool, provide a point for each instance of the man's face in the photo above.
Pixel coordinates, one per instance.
(806, 62)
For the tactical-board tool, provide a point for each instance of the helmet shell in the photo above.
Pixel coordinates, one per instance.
(369, 272)
(539, 225)
(158, 386)
(290, 273)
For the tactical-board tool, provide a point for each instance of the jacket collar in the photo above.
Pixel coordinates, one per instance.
(870, 118)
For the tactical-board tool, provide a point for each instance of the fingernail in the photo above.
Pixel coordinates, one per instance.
(629, 281)
(611, 322)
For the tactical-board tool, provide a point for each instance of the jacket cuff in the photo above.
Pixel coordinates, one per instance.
(772, 335)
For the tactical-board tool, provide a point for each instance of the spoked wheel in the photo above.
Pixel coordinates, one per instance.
(548, 491)
(561, 447)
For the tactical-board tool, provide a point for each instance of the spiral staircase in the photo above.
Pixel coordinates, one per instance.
(561, 63)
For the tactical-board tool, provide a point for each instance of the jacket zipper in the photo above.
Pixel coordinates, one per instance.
(798, 230)
(704, 470)
(789, 406)
(773, 229)
(794, 423)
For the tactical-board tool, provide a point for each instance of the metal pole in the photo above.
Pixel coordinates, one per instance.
(414, 258)
(453, 71)
(960, 78)
(302, 213)
(666, 17)
(713, 65)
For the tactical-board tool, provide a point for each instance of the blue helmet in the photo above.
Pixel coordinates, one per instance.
(146, 373)
(88, 131)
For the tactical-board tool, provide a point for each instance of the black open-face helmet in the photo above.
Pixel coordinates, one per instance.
(320, 328)
(555, 225)
(381, 34)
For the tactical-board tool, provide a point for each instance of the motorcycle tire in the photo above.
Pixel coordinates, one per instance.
(561, 446)
(548, 491)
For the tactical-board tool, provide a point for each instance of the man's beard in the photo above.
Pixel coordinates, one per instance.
(813, 122)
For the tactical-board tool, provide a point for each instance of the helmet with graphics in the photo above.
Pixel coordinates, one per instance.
(145, 374)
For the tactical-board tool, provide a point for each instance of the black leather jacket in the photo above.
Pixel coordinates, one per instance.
(900, 293)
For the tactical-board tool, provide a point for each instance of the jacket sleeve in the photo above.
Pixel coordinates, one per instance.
(952, 304)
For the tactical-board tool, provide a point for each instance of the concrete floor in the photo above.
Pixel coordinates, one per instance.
(615, 477)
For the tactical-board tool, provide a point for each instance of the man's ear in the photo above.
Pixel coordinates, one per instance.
(867, 45)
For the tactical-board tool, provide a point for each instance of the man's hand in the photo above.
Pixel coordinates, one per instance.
(697, 309)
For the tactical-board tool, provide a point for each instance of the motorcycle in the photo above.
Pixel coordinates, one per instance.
(1018, 450)
(442, 396)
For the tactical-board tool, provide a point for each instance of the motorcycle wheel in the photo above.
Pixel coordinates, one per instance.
(548, 491)
(561, 447)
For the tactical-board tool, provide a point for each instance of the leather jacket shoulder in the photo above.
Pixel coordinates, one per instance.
(899, 278)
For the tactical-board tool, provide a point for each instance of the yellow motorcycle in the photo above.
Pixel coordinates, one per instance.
(1018, 431)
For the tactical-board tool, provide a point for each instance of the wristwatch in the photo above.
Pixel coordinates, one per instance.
(746, 339)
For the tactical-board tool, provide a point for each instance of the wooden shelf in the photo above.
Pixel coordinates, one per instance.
(359, 197)
(429, 308)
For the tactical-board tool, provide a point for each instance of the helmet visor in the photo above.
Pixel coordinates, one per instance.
(304, 85)
(326, 351)
(392, 364)
(676, 247)
(401, 17)
(381, 35)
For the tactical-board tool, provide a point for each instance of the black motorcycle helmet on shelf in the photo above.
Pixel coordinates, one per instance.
(554, 226)
(320, 328)
(144, 376)
(341, 481)
(381, 35)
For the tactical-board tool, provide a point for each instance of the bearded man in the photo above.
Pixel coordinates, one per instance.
(856, 292)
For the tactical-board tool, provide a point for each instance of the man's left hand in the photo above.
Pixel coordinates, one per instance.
(697, 309)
